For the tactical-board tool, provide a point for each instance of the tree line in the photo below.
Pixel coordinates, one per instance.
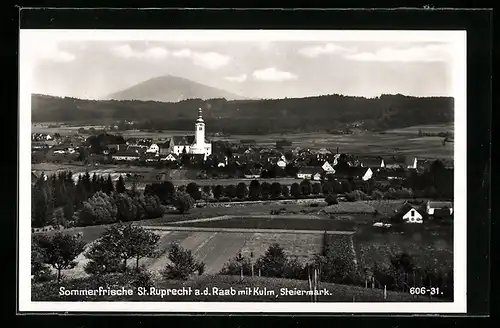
(245, 116)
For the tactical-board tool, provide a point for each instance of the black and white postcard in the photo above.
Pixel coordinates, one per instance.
(236, 171)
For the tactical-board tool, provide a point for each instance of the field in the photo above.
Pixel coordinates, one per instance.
(215, 248)
(338, 293)
(287, 222)
(404, 141)
(426, 248)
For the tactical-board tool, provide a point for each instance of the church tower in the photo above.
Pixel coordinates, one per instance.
(200, 131)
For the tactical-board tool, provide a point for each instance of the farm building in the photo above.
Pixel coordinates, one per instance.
(126, 156)
(307, 172)
(441, 207)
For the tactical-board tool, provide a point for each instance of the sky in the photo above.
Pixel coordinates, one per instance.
(254, 69)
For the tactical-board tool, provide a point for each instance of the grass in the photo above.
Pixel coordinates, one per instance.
(275, 222)
(435, 250)
(358, 207)
(338, 293)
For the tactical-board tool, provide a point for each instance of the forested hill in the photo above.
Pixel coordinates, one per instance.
(253, 116)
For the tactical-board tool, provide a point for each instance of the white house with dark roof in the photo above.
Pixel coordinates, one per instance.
(192, 144)
(432, 206)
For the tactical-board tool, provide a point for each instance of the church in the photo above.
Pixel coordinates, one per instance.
(196, 144)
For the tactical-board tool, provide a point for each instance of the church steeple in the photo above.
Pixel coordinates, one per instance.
(200, 118)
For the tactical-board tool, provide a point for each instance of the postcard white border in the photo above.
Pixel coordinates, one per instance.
(457, 38)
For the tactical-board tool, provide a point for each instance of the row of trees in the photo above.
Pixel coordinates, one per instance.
(57, 195)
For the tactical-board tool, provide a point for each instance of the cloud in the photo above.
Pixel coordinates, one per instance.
(46, 49)
(426, 53)
(239, 79)
(210, 60)
(126, 51)
(272, 74)
(326, 49)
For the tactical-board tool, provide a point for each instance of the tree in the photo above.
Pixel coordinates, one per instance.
(183, 264)
(285, 191)
(99, 209)
(144, 243)
(327, 188)
(241, 190)
(109, 187)
(39, 269)
(120, 185)
(265, 188)
(230, 191)
(255, 190)
(273, 262)
(316, 188)
(193, 190)
(295, 190)
(60, 250)
(331, 199)
(102, 258)
(305, 187)
(218, 190)
(275, 190)
(183, 202)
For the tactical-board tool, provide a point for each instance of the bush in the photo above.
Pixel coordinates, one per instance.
(183, 202)
(377, 195)
(331, 199)
(183, 264)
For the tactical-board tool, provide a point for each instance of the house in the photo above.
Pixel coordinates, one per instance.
(368, 174)
(413, 216)
(125, 156)
(391, 163)
(327, 167)
(252, 174)
(281, 163)
(154, 148)
(307, 172)
(408, 214)
(169, 157)
(441, 207)
(317, 176)
(152, 157)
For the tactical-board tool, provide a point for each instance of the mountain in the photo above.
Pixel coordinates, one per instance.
(322, 113)
(170, 88)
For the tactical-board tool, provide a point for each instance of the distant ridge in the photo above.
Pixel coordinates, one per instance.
(322, 113)
(169, 88)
